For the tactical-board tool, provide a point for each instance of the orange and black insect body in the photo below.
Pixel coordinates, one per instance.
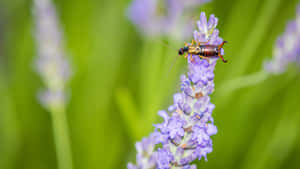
(203, 51)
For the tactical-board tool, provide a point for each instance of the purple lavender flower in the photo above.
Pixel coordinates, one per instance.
(185, 134)
(172, 126)
(51, 65)
(54, 69)
(166, 17)
(287, 49)
(146, 155)
(163, 158)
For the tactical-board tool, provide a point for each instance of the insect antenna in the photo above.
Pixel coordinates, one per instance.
(172, 65)
(167, 45)
(169, 64)
(173, 62)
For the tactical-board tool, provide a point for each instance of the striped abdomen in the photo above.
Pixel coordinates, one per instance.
(208, 50)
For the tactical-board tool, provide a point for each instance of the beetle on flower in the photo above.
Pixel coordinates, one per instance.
(185, 134)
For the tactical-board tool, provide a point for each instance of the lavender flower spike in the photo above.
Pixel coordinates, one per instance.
(185, 134)
(54, 70)
(287, 49)
(51, 65)
(162, 17)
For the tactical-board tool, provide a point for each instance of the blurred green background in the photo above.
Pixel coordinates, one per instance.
(121, 80)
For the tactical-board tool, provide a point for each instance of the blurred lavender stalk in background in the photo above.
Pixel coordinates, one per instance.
(51, 65)
(287, 49)
(285, 52)
(184, 136)
(54, 70)
(163, 18)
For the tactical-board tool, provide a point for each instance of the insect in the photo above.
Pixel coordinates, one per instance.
(203, 51)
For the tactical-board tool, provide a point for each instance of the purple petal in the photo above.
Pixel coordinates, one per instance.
(211, 129)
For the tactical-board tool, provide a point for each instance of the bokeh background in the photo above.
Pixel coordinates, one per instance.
(121, 79)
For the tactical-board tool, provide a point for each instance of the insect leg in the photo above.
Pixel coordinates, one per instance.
(222, 58)
(219, 48)
(222, 44)
(191, 57)
(199, 43)
(193, 42)
(204, 57)
(186, 55)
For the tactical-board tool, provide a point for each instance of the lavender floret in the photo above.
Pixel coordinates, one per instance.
(163, 17)
(185, 134)
(287, 49)
(51, 65)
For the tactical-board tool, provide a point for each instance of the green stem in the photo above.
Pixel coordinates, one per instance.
(129, 112)
(244, 81)
(61, 137)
